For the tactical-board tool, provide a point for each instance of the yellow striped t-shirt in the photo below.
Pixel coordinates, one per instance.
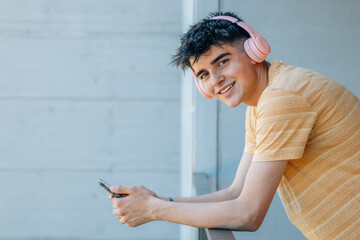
(314, 122)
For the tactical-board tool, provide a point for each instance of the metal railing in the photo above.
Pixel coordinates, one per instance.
(202, 186)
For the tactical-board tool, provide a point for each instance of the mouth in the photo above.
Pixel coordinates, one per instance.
(226, 89)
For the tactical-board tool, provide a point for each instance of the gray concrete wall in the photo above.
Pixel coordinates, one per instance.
(322, 35)
(86, 92)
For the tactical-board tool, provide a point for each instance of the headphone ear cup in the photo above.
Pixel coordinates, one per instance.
(253, 52)
(262, 45)
(248, 51)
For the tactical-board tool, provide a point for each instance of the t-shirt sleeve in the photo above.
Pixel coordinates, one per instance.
(284, 121)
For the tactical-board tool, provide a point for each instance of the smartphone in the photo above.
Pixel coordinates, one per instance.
(106, 186)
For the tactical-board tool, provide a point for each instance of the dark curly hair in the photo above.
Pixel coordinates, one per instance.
(205, 34)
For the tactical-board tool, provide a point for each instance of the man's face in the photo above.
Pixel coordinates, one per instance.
(227, 75)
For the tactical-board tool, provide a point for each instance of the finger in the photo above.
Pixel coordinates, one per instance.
(122, 220)
(116, 211)
(110, 196)
(119, 189)
(117, 202)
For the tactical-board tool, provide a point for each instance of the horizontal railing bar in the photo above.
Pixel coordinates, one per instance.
(217, 234)
(202, 186)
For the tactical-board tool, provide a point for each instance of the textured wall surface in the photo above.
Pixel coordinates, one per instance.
(86, 92)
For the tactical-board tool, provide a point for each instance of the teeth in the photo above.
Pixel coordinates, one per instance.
(226, 89)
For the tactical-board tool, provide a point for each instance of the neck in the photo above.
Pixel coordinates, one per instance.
(262, 70)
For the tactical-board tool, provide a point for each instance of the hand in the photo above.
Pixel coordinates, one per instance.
(136, 208)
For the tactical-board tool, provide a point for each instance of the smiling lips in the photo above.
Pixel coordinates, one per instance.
(227, 88)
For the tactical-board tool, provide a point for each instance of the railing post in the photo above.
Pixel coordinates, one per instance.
(202, 186)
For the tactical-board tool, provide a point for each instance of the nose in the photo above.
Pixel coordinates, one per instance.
(217, 79)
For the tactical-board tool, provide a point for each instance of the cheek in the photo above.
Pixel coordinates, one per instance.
(247, 75)
(208, 88)
(238, 70)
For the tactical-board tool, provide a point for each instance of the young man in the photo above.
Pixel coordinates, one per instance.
(302, 138)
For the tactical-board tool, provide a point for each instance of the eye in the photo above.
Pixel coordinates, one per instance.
(203, 76)
(221, 63)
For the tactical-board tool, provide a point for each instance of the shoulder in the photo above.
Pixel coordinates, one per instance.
(279, 103)
(301, 80)
(279, 69)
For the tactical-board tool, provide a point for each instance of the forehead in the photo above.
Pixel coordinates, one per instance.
(214, 52)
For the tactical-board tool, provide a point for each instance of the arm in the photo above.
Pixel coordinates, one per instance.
(229, 193)
(246, 212)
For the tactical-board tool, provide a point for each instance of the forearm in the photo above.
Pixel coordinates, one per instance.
(227, 214)
(218, 196)
(229, 193)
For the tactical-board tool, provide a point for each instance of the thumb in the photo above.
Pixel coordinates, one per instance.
(119, 189)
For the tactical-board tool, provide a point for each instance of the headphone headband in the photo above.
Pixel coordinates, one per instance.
(228, 18)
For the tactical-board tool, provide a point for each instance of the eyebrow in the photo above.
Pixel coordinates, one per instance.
(214, 61)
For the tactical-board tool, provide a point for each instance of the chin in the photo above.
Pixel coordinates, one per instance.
(233, 104)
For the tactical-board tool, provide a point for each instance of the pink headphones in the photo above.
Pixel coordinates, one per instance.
(256, 47)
